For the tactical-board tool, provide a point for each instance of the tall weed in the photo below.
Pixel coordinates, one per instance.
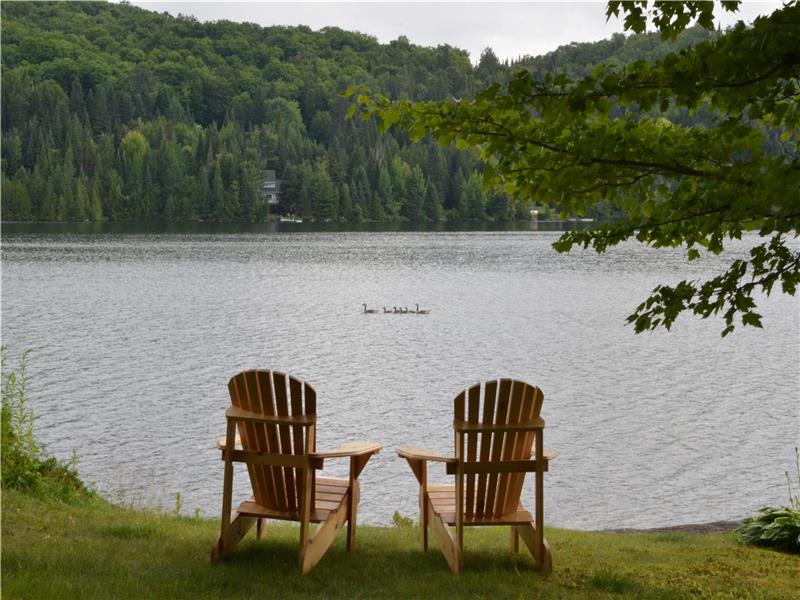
(20, 453)
(23, 464)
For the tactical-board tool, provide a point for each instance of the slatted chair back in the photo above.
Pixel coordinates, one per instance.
(275, 394)
(504, 402)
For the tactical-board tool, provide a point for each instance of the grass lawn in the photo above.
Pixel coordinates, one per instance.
(95, 550)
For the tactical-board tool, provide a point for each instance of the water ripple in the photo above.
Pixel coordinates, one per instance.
(134, 338)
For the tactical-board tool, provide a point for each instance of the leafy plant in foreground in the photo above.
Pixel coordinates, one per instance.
(20, 453)
(24, 465)
(776, 527)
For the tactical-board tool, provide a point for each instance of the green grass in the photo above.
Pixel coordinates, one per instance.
(92, 549)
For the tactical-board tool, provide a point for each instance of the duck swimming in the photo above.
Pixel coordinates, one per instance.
(369, 311)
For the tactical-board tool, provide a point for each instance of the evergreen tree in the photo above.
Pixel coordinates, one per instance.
(95, 202)
(217, 203)
(385, 193)
(415, 196)
(474, 198)
(115, 204)
(345, 202)
(79, 209)
(12, 154)
(322, 192)
(432, 209)
(247, 99)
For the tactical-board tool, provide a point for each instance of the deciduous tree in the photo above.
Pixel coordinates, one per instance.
(578, 142)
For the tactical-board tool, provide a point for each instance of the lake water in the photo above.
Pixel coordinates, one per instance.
(135, 335)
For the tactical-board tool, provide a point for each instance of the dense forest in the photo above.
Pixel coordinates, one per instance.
(113, 112)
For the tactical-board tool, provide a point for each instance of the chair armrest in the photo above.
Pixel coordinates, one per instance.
(359, 454)
(222, 442)
(350, 449)
(418, 461)
(423, 454)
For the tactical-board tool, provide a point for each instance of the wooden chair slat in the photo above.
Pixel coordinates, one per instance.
(510, 451)
(298, 440)
(489, 397)
(275, 460)
(504, 467)
(538, 399)
(522, 447)
(498, 437)
(282, 409)
(257, 510)
(330, 489)
(458, 406)
(249, 435)
(239, 414)
(271, 433)
(443, 502)
(330, 496)
(473, 413)
(311, 400)
(515, 518)
(257, 405)
(527, 425)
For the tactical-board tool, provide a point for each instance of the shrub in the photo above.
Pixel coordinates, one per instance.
(20, 452)
(23, 464)
(776, 527)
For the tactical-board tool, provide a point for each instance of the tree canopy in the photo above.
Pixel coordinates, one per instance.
(116, 113)
(695, 148)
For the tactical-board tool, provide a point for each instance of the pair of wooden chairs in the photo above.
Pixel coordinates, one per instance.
(498, 439)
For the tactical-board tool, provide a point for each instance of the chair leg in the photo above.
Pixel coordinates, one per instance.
(448, 544)
(225, 543)
(423, 518)
(540, 551)
(314, 549)
(230, 537)
(514, 540)
(261, 529)
(352, 515)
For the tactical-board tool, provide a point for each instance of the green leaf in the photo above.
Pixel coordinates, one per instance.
(752, 319)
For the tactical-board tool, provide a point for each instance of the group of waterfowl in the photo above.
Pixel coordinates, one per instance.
(396, 311)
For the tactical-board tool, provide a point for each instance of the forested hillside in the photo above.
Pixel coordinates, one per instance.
(113, 112)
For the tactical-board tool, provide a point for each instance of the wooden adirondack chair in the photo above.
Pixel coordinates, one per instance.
(276, 418)
(497, 426)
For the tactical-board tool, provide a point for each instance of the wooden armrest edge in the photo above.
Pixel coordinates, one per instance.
(222, 442)
(423, 454)
(356, 448)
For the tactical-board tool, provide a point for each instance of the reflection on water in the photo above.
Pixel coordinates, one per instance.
(200, 227)
(135, 334)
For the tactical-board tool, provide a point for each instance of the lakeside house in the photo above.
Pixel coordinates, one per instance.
(270, 187)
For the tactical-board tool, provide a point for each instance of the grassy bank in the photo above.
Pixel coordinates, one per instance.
(92, 549)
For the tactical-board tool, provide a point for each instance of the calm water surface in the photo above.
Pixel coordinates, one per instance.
(134, 338)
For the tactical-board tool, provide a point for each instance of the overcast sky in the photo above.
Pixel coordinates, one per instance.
(510, 29)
